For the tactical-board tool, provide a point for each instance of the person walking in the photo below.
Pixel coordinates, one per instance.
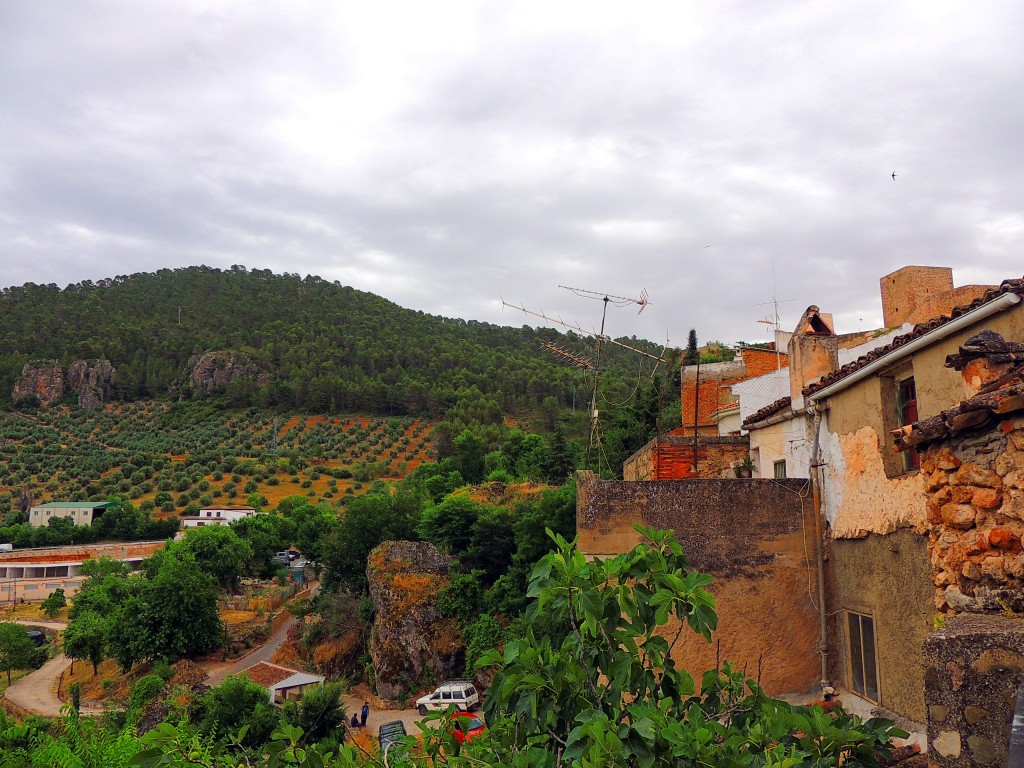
(365, 713)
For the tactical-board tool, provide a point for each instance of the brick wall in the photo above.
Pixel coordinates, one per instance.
(671, 458)
(751, 535)
(716, 380)
(917, 294)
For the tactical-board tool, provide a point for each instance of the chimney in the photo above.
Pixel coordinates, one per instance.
(813, 352)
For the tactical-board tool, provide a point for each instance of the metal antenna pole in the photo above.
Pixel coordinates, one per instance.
(582, 362)
(597, 375)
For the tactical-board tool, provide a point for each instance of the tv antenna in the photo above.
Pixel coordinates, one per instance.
(567, 355)
(773, 320)
(600, 336)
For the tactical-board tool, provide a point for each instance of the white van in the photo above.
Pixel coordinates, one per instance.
(459, 693)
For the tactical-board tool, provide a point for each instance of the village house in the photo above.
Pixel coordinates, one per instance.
(710, 410)
(971, 459)
(78, 512)
(217, 516)
(282, 684)
(911, 560)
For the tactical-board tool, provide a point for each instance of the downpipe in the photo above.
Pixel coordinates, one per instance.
(819, 546)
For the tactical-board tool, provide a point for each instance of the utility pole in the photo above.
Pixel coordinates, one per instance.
(696, 414)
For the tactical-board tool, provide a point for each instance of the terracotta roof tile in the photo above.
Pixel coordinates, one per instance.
(769, 410)
(267, 674)
(982, 410)
(1007, 286)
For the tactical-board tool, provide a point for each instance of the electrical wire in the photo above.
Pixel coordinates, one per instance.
(802, 496)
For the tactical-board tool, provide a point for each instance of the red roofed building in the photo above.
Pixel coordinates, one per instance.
(282, 682)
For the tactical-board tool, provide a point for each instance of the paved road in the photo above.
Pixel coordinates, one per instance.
(34, 691)
(408, 716)
(264, 652)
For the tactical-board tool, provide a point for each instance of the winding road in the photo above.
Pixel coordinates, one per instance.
(36, 691)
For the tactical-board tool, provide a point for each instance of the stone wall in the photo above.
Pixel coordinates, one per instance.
(975, 492)
(975, 664)
(754, 537)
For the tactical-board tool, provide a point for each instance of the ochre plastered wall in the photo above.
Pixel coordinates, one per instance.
(889, 579)
(753, 536)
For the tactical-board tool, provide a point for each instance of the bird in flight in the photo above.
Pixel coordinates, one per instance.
(894, 175)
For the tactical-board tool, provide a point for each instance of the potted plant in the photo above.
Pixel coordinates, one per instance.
(745, 468)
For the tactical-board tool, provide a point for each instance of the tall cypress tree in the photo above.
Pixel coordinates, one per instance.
(692, 355)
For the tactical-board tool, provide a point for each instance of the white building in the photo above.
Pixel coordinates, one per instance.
(217, 516)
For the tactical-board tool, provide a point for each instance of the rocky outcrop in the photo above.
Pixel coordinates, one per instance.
(410, 639)
(92, 382)
(212, 372)
(42, 382)
(47, 383)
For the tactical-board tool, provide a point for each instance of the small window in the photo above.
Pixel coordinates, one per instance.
(780, 470)
(906, 413)
(436, 697)
(446, 695)
(863, 666)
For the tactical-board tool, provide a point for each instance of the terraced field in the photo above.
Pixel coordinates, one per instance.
(177, 457)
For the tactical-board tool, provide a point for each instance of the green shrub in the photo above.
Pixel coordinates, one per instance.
(145, 690)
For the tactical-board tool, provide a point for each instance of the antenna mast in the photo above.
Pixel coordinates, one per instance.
(773, 321)
(585, 363)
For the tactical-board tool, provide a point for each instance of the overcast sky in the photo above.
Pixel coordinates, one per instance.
(445, 155)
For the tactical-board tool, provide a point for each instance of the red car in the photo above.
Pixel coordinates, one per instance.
(467, 726)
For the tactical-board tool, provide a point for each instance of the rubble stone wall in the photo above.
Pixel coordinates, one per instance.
(975, 665)
(975, 490)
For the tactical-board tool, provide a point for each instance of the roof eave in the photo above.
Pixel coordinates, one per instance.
(965, 320)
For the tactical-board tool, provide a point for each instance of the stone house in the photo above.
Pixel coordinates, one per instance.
(971, 458)
(874, 499)
(921, 566)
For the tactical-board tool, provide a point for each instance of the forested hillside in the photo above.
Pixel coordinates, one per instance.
(316, 346)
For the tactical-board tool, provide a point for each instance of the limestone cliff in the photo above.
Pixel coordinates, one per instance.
(47, 382)
(93, 382)
(213, 371)
(410, 640)
(42, 380)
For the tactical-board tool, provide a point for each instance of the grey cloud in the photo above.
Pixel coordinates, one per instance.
(508, 153)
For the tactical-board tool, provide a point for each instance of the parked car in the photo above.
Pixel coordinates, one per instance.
(458, 693)
(36, 637)
(390, 733)
(467, 726)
